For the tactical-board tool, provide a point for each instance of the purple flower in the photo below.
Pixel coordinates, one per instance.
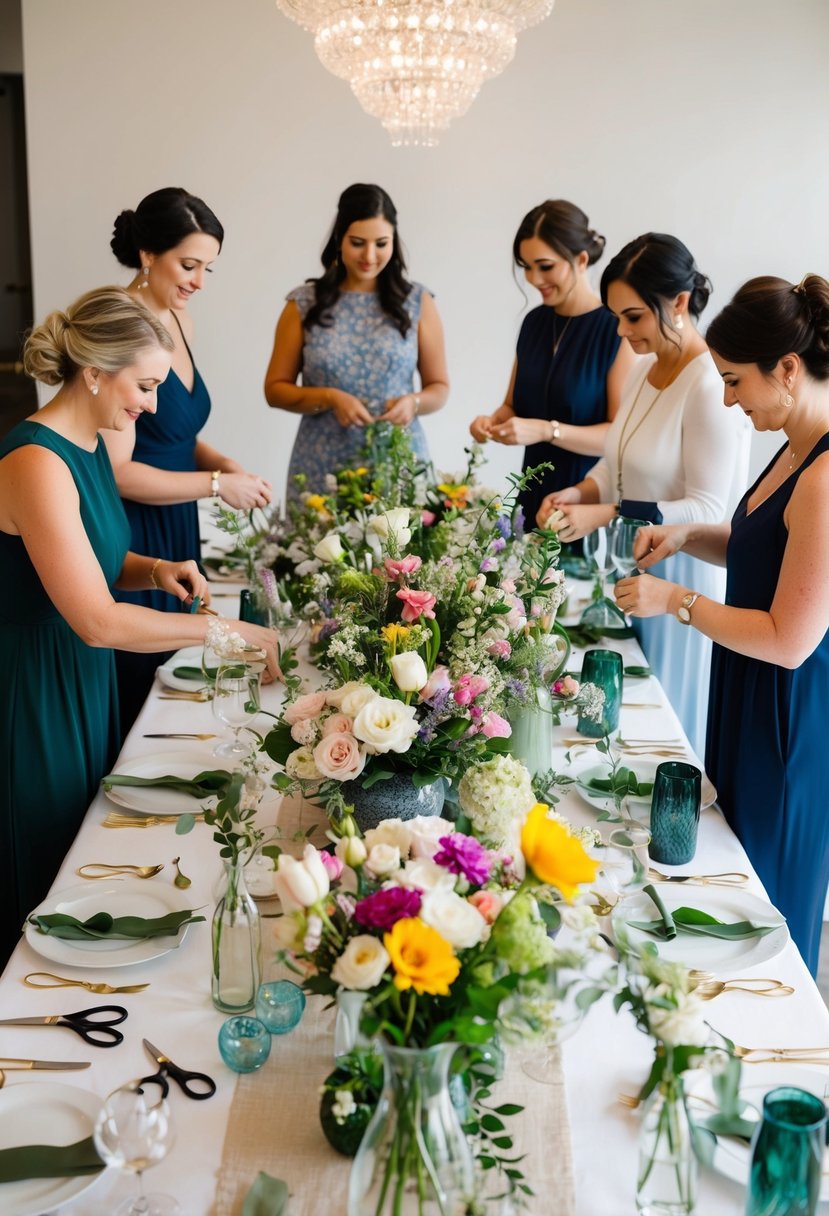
(385, 908)
(464, 855)
(503, 525)
(516, 689)
(519, 522)
(487, 565)
(328, 629)
(498, 545)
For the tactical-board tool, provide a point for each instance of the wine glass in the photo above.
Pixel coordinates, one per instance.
(624, 859)
(133, 1132)
(236, 703)
(621, 537)
(602, 613)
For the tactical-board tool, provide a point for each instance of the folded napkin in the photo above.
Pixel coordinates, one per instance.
(696, 922)
(267, 1197)
(211, 783)
(235, 671)
(102, 925)
(49, 1160)
(588, 635)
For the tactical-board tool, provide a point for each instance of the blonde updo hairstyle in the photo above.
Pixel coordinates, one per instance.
(106, 328)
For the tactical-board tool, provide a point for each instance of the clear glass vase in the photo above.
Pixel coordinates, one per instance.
(667, 1176)
(414, 1159)
(347, 1025)
(237, 944)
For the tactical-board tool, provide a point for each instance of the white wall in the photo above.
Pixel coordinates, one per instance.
(705, 118)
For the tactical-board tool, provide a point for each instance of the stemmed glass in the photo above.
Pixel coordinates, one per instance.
(602, 613)
(624, 860)
(132, 1133)
(621, 537)
(236, 703)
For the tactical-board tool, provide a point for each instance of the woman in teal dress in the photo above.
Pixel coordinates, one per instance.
(770, 667)
(357, 336)
(64, 544)
(162, 466)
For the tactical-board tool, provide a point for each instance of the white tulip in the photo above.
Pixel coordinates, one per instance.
(330, 548)
(409, 671)
(393, 524)
(351, 851)
(301, 884)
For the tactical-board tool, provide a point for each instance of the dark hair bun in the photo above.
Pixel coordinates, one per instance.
(769, 318)
(700, 293)
(123, 243)
(815, 291)
(594, 246)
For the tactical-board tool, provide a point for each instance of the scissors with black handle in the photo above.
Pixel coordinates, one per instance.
(196, 1085)
(93, 1025)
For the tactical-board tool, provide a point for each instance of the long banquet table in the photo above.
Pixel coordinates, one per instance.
(607, 1056)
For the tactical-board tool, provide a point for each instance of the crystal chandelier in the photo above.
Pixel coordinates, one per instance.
(415, 64)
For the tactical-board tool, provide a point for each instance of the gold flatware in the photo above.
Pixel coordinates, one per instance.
(730, 878)
(8, 1062)
(636, 741)
(642, 705)
(58, 981)
(652, 751)
(114, 820)
(629, 1100)
(111, 871)
(707, 990)
(778, 1055)
(174, 695)
(182, 735)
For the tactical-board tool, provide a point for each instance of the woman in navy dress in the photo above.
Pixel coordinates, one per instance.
(357, 336)
(570, 363)
(162, 466)
(770, 667)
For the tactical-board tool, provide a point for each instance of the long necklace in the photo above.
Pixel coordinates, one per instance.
(625, 443)
(557, 338)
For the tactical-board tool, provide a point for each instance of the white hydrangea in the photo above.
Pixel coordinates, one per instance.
(495, 795)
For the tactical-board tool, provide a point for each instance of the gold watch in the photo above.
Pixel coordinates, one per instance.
(683, 612)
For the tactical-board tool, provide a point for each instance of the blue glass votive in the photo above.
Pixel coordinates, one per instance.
(245, 1043)
(280, 1005)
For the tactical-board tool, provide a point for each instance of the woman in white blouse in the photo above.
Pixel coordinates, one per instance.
(672, 454)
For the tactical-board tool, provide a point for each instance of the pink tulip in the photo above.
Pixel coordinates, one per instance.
(427, 518)
(438, 681)
(469, 687)
(495, 727)
(416, 604)
(332, 864)
(406, 565)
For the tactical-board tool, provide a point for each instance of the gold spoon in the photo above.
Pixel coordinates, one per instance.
(706, 990)
(111, 871)
(60, 982)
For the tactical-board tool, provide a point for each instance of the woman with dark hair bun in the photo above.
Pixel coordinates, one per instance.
(356, 335)
(570, 365)
(770, 669)
(161, 465)
(672, 454)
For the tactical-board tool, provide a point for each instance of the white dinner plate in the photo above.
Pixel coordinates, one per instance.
(45, 1112)
(190, 656)
(645, 768)
(732, 1157)
(707, 953)
(157, 800)
(120, 897)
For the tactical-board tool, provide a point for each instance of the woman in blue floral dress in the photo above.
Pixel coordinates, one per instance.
(357, 335)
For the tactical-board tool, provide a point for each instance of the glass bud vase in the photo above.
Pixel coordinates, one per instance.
(667, 1174)
(531, 740)
(236, 941)
(414, 1159)
(347, 1025)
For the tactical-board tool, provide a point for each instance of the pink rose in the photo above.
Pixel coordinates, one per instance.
(469, 687)
(488, 903)
(495, 727)
(308, 706)
(337, 724)
(332, 864)
(427, 518)
(416, 604)
(406, 565)
(500, 649)
(339, 757)
(438, 681)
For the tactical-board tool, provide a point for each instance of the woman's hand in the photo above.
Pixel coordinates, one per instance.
(655, 543)
(244, 491)
(267, 640)
(559, 498)
(480, 428)
(184, 580)
(348, 409)
(400, 411)
(523, 431)
(578, 520)
(644, 595)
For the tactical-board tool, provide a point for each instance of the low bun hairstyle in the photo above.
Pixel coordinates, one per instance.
(564, 227)
(769, 318)
(105, 328)
(161, 221)
(659, 267)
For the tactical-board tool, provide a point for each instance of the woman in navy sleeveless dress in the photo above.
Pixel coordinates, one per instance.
(570, 363)
(357, 335)
(164, 468)
(770, 668)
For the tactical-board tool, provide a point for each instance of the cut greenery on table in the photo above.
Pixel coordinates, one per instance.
(624, 781)
(102, 925)
(695, 922)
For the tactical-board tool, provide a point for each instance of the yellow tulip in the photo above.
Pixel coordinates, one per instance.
(554, 855)
(421, 958)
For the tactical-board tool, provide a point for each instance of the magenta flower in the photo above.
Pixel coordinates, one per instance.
(406, 565)
(469, 687)
(465, 855)
(385, 908)
(332, 864)
(416, 604)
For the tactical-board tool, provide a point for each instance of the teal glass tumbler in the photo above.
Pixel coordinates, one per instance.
(280, 1005)
(244, 1043)
(787, 1155)
(604, 668)
(677, 791)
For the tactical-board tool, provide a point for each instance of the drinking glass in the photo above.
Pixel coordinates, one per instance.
(236, 703)
(621, 537)
(132, 1132)
(675, 812)
(787, 1155)
(624, 860)
(605, 669)
(602, 613)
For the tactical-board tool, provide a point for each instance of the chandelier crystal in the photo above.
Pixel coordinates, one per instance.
(415, 64)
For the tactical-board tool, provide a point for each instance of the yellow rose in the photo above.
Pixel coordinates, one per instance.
(554, 855)
(421, 958)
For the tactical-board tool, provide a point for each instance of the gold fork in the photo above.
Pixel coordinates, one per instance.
(782, 1055)
(114, 820)
(60, 982)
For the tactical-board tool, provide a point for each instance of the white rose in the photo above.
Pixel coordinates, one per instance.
(392, 524)
(390, 831)
(362, 964)
(330, 548)
(455, 918)
(351, 697)
(423, 873)
(383, 860)
(300, 765)
(425, 832)
(681, 1027)
(385, 725)
(409, 671)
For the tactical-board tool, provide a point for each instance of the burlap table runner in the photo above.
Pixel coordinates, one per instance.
(274, 1118)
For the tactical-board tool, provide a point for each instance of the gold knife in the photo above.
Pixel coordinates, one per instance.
(9, 1062)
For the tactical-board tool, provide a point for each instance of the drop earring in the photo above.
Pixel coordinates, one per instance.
(145, 270)
(94, 390)
(678, 322)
